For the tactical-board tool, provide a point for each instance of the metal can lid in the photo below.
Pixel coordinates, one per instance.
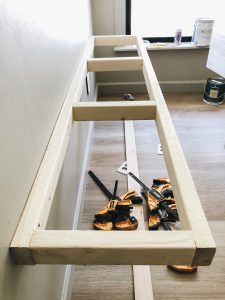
(218, 80)
(205, 20)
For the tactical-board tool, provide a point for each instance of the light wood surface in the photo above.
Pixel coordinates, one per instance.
(114, 247)
(141, 274)
(200, 128)
(123, 110)
(188, 204)
(114, 40)
(115, 64)
(103, 282)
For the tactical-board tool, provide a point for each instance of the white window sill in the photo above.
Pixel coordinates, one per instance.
(160, 46)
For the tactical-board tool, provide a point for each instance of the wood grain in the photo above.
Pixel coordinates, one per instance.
(189, 207)
(114, 40)
(107, 111)
(200, 128)
(106, 248)
(114, 64)
(142, 274)
(103, 282)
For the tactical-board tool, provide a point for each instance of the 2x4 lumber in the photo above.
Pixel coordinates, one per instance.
(189, 206)
(142, 275)
(114, 64)
(115, 40)
(37, 208)
(81, 247)
(111, 110)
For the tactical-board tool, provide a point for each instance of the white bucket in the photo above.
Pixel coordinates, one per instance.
(202, 32)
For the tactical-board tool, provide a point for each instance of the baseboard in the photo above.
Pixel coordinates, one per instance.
(110, 88)
(67, 284)
(185, 86)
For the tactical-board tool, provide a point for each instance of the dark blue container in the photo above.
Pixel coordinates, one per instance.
(214, 91)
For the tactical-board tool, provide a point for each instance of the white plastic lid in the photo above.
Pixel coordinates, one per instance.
(205, 20)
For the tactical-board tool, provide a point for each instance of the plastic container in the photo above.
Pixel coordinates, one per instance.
(214, 91)
(178, 37)
(202, 32)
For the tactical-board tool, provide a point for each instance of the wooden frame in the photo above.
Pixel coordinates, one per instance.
(32, 244)
(121, 110)
(115, 64)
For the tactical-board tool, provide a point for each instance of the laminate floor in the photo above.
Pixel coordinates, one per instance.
(201, 130)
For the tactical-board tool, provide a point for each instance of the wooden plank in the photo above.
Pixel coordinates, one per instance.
(36, 211)
(114, 64)
(121, 110)
(114, 40)
(188, 203)
(142, 275)
(98, 247)
(216, 58)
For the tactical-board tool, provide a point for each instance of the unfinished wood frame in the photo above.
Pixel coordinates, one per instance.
(121, 110)
(114, 64)
(32, 244)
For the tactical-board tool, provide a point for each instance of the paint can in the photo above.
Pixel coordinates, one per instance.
(202, 32)
(214, 91)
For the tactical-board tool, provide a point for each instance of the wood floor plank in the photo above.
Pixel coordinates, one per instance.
(207, 283)
(200, 128)
(103, 282)
(141, 274)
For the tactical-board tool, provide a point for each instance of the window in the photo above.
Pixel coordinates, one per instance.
(158, 20)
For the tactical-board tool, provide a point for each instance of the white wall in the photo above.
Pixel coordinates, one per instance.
(103, 13)
(41, 44)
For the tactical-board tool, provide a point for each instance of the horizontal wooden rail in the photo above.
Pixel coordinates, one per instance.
(105, 248)
(115, 40)
(122, 110)
(115, 64)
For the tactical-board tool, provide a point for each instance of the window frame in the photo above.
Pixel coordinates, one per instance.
(166, 39)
